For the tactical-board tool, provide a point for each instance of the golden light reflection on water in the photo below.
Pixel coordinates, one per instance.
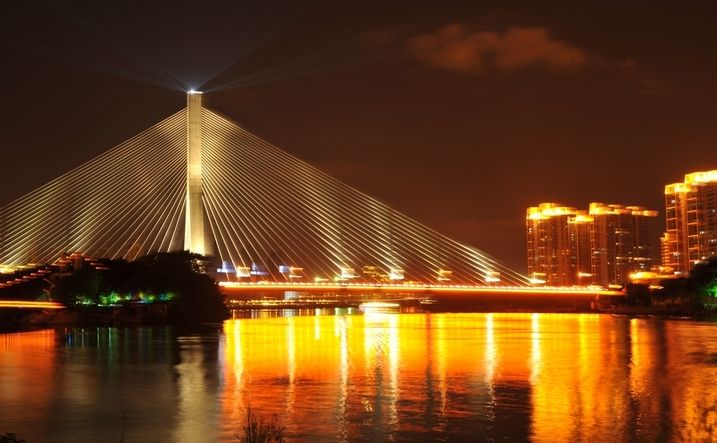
(374, 377)
(693, 392)
(547, 376)
(23, 357)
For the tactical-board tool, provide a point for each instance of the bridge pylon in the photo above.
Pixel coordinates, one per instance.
(194, 238)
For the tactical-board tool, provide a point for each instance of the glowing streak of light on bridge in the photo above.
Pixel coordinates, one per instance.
(25, 304)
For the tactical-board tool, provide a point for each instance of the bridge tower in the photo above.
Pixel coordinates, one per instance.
(194, 239)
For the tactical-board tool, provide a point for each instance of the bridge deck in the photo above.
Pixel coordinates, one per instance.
(378, 287)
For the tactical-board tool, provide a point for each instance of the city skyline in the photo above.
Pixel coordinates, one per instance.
(367, 95)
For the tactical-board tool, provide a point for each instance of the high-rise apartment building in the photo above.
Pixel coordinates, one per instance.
(619, 242)
(551, 250)
(603, 245)
(691, 215)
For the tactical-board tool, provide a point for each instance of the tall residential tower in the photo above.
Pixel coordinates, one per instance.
(619, 242)
(691, 216)
(552, 254)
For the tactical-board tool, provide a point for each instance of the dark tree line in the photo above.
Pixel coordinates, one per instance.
(690, 295)
(174, 278)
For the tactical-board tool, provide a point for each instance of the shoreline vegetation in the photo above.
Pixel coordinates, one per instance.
(163, 288)
(693, 296)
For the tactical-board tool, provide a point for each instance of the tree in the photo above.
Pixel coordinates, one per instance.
(79, 287)
(173, 277)
(637, 295)
(704, 278)
(689, 293)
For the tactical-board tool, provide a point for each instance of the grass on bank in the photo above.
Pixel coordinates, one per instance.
(257, 430)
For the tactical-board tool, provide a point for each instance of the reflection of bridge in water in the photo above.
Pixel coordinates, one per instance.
(267, 219)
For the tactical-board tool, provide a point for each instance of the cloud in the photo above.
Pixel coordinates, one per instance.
(456, 48)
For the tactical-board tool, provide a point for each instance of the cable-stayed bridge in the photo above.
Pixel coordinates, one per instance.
(197, 181)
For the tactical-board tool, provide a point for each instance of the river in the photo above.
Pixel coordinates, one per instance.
(379, 376)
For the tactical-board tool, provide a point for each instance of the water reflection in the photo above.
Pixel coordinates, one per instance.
(379, 376)
(77, 384)
(27, 368)
(197, 382)
(543, 377)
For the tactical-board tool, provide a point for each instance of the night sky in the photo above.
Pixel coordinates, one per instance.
(460, 114)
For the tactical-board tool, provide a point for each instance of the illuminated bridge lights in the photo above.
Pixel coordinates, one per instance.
(25, 304)
(394, 287)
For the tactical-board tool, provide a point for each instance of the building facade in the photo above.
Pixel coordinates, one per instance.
(619, 242)
(551, 250)
(603, 245)
(691, 222)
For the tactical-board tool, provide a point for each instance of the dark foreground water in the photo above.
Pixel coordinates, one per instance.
(374, 377)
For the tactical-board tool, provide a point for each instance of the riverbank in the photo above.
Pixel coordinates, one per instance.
(661, 312)
(140, 314)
